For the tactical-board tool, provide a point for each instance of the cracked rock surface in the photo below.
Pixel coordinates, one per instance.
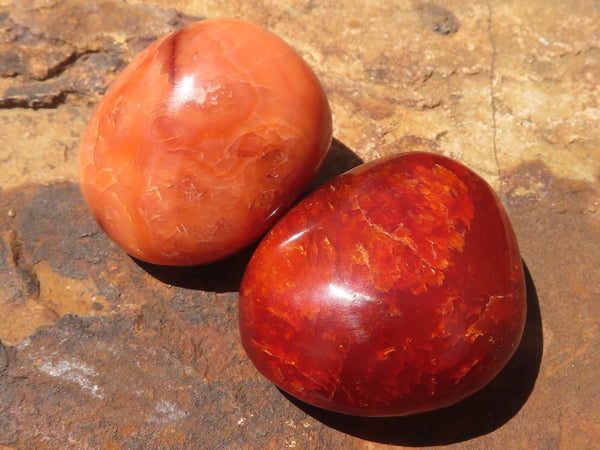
(100, 351)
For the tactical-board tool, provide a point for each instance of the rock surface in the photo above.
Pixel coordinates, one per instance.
(99, 350)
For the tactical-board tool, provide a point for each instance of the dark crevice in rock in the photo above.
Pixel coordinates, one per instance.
(37, 101)
(26, 273)
(66, 63)
(492, 87)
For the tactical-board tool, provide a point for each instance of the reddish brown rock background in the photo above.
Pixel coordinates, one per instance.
(99, 351)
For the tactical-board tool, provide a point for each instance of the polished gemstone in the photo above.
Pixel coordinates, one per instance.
(203, 141)
(394, 289)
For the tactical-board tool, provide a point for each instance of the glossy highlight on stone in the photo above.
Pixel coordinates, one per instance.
(394, 289)
(202, 142)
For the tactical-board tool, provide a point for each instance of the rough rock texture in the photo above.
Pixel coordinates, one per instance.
(101, 351)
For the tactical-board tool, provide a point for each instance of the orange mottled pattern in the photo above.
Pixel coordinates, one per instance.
(203, 142)
(394, 289)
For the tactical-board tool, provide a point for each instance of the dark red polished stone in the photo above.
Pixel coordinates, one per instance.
(202, 142)
(394, 289)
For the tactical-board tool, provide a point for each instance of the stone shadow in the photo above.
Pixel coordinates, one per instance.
(339, 159)
(220, 276)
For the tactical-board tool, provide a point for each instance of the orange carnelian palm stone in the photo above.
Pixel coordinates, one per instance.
(203, 142)
(394, 289)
